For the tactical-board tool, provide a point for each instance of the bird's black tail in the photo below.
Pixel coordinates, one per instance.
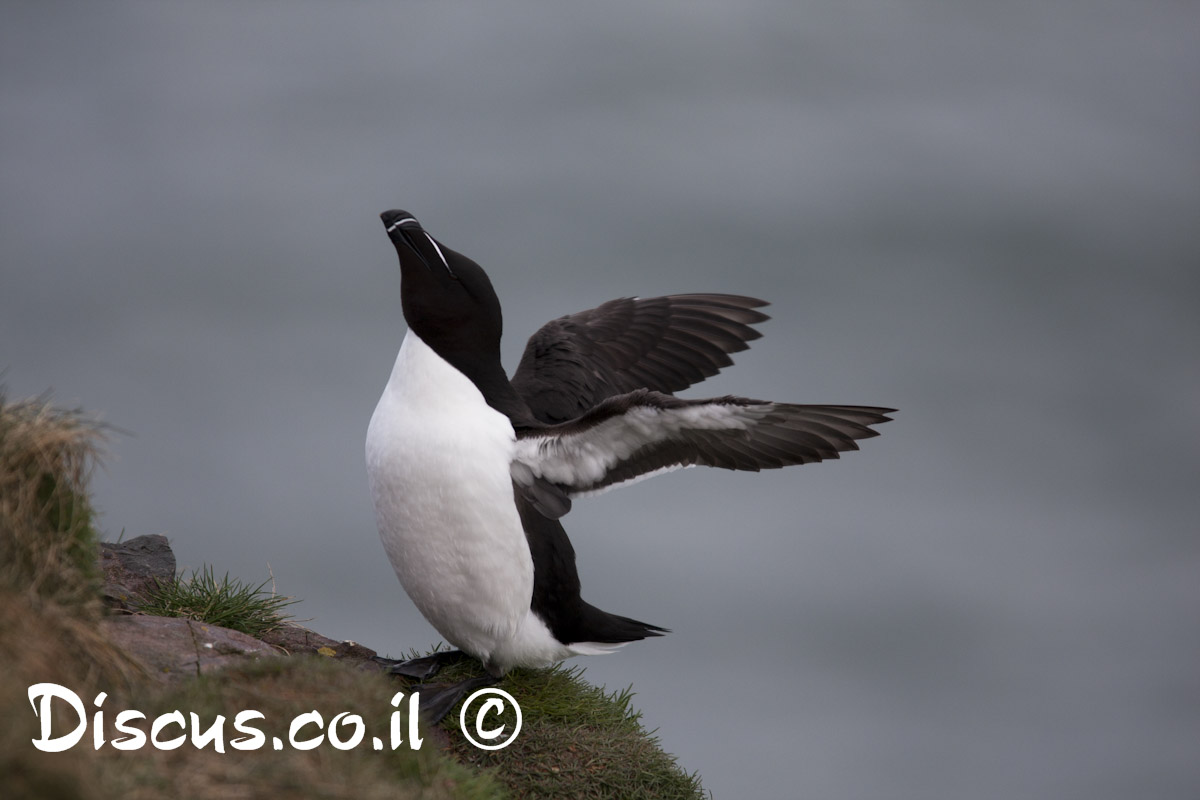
(600, 626)
(556, 600)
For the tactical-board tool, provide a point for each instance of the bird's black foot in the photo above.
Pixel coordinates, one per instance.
(425, 667)
(436, 704)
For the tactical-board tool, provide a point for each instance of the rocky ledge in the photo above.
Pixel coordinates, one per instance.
(172, 649)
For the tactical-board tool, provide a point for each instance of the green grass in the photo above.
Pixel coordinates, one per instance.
(576, 740)
(281, 689)
(227, 602)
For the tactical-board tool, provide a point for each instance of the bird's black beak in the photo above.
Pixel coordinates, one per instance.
(411, 240)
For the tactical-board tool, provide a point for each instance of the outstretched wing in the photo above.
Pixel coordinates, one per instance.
(642, 433)
(664, 344)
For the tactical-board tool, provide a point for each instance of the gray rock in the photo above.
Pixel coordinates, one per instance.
(133, 568)
(172, 649)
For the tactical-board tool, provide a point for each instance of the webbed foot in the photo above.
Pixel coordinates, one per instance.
(437, 704)
(425, 667)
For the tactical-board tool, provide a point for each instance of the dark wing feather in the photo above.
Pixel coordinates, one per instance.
(664, 344)
(641, 433)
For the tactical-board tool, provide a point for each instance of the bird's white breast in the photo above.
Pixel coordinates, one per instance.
(438, 459)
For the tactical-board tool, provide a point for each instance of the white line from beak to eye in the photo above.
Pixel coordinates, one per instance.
(400, 222)
(439, 252)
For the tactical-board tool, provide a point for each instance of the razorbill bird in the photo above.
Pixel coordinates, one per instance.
(471, 471)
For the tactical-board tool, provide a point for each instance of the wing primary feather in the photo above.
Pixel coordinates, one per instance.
(629, 436)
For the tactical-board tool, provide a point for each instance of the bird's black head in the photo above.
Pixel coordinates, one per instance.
(447, 298)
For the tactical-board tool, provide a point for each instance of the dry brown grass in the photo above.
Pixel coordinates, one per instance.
(49, 578)
(47, 543)
(49, 604)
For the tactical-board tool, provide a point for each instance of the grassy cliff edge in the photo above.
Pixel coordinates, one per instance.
(576, 740)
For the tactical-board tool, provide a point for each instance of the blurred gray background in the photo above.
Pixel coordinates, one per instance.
(983, 214)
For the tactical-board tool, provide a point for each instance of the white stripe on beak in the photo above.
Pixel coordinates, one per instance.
(400, 222)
